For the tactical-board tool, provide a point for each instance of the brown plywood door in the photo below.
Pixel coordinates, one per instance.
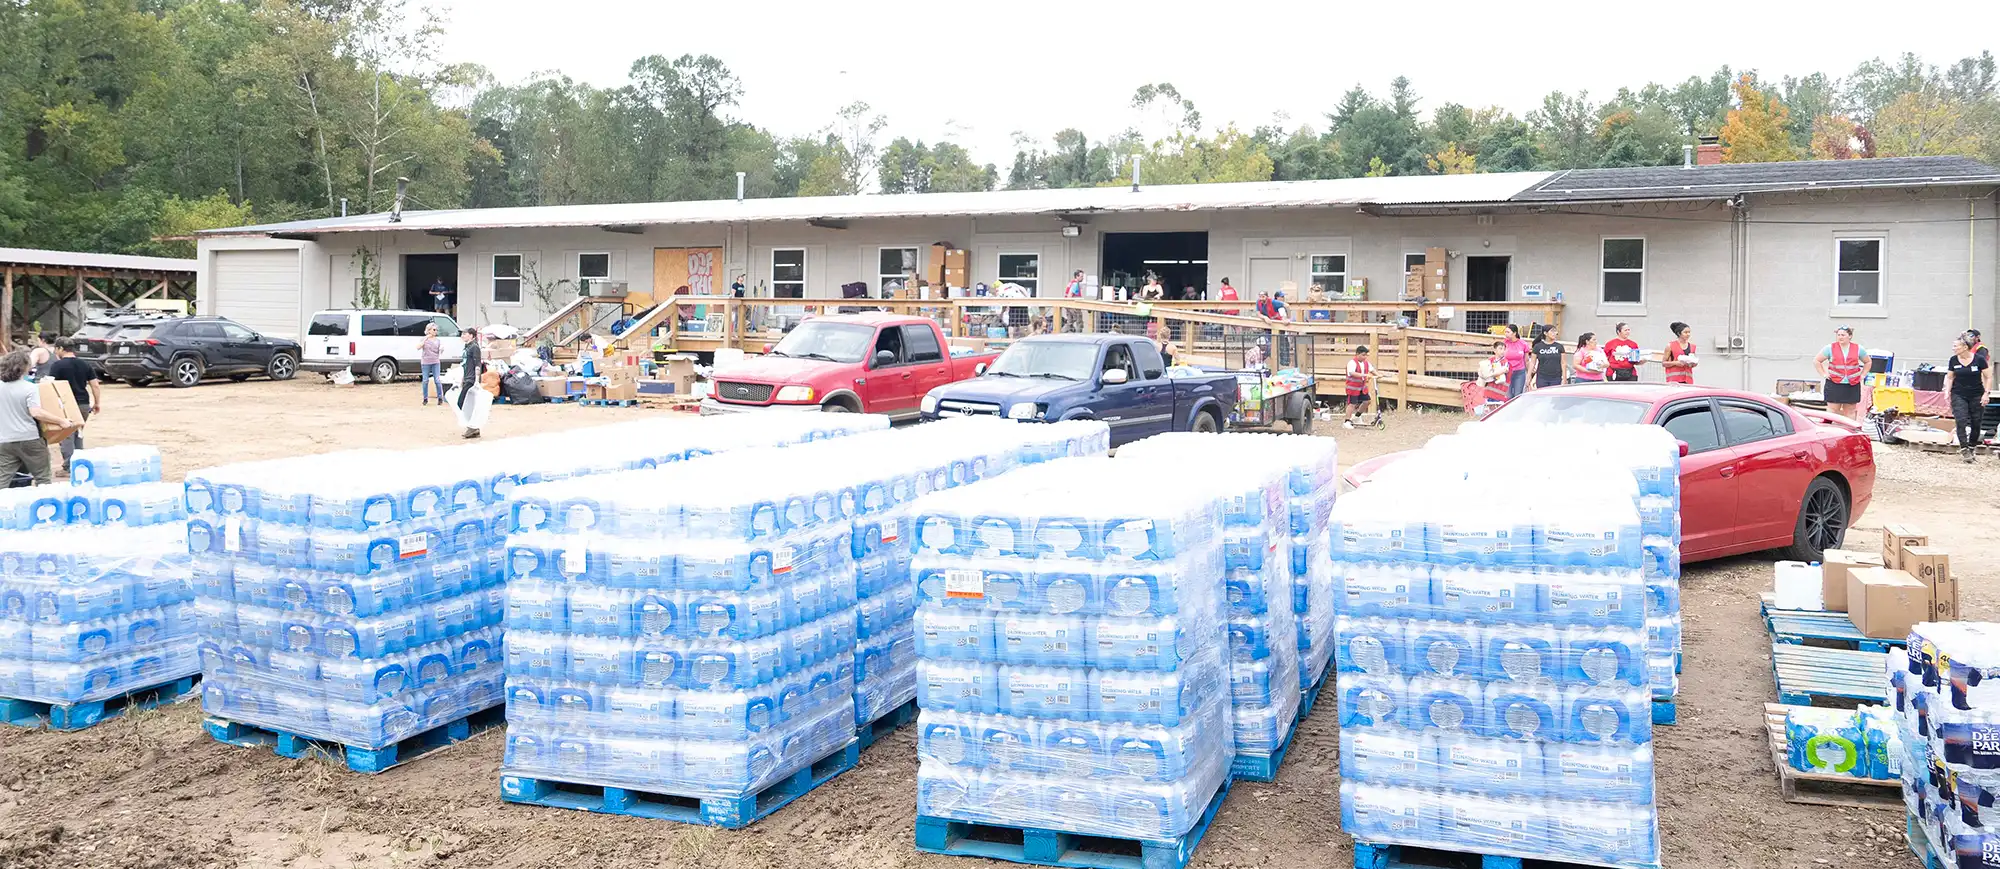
(697, 268)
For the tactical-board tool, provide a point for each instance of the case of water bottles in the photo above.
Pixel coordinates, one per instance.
(1946, 693)
(358, 597)
(122, 465)
(1493, 689)
(700, 629)
(87, 614)
(1071, 640)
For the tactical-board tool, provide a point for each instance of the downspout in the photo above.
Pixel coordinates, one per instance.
(1971, 254)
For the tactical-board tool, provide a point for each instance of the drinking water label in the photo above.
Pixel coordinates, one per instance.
(965, 584)
(1119, 639)
(1595, 766)
(232, 533)
(1971, 744)
(782, 559)
(1490, 763)
(1039, 637)
(575, 558)
(1042, 690)
(413, 545)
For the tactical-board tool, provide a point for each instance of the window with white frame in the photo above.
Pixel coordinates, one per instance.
(1858, 271)
(788, 273)
(897, 268)
(1413, 263)
(506, 279)
(1329, 271)
(1623, 266)
(1024, 269)
(593, 267)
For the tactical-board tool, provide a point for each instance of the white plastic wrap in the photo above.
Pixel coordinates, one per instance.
(357, 596)
(706, 628)
(1071, 628)
(1492, 659)
(89, 613)
(1946, 695)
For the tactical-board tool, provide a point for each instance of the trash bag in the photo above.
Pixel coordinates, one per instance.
(519, 388)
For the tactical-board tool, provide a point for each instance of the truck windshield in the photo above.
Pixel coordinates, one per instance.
(1057, 359)
(833, 342)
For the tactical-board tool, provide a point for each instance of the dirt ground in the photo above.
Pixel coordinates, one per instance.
(150, 790)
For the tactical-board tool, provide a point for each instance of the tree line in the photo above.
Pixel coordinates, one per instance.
(127, 124)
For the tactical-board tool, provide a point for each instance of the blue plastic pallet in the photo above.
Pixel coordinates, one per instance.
(359, 759)
(1843, 677)
(730, 812)
(1816, 628)
(1310, 695)
(1913, 836)
(605, 402)
(886, 723)
(1665, 713)
(1040, 847)
(1254, 767)
(1372, 856)
(77, 716)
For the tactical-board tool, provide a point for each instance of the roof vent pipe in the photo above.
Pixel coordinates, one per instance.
(402, 190)
(1687, 156)
(739, 185)
(1135, 173)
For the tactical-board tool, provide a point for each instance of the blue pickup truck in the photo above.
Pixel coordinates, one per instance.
(1119, 379)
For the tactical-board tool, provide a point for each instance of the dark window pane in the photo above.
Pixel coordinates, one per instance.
(1624, 253)
(1151, 364)
(328, 324)
(788, 265)
(1861, 288)
(233, 332)
(1861, 255)
(378, 326)
(1016, 266)
(507, 266)
(922, 343)
(1412, 262)
(1746, 424)
(898, 260)
(209, 331)
(1624, 288)
(1695, 426)
(136, 332)
(411, 325)
(593, 265)
(507, 291)
(1329, 265)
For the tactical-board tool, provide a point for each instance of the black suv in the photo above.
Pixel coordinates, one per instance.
(183, 351)
(94, 340)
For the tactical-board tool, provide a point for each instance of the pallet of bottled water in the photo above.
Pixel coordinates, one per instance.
(122, 465)
(1946, 693)
(1073, 679)
(1492, 662)
(94, 603)
(356, 598)
(687, 644)
(1274, 524)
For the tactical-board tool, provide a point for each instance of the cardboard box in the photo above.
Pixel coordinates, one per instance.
(1436, 256)
(956, 277)
(59, 400)
(1931, 565)
(501, 348)
(1884, 604)
(934, 271)
(552, 387)
(938, 252)
(1897, 536)
(957, 258)
(1835, 564)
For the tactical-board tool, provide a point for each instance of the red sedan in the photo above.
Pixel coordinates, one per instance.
(1755, 474)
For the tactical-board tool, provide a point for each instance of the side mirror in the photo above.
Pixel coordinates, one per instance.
(979, 369)
(1114, 377)
(884, 358)
(1684, 448)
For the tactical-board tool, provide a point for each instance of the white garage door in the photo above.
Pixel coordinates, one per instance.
(260, 289)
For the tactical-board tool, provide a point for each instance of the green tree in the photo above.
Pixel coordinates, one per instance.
(1566, 131)
(1923, 124)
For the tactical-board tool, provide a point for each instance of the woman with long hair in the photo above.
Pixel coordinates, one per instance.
(1590, 363)
(1968, 377)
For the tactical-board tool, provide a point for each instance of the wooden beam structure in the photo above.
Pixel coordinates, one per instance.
(45, 297)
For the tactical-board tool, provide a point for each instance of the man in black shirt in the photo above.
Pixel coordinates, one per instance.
(82, 379)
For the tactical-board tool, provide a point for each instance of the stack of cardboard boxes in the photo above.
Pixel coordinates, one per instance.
(949, 267)
(1431, 281)
(673, 376)
(1907, 583)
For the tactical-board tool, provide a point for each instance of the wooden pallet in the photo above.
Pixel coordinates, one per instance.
(727, 812)
(1369, 855)
(1822, 789)
(1821, 628)
(361, 759)
(1812, 676)
(77, 716)
(1043, 847)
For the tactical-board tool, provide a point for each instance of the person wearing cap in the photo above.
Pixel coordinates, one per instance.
(1843, 364)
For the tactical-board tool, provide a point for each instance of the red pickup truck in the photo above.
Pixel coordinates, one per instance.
(847, 363)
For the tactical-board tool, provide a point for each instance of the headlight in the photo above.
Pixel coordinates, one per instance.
(1024, 410)
(795, 393)
(929, 405)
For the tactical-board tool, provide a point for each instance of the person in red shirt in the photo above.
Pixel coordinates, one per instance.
(1622, 351)
(1227, 293)
(1679, 358)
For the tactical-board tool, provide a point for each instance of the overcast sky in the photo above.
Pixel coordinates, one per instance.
(978, 71)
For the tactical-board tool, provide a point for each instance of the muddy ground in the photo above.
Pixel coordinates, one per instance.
(151, 790)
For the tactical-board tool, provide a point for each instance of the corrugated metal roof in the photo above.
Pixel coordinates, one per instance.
(1492, 187)
(108, 262)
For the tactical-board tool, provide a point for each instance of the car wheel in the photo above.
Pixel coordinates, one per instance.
(1822, 522)
(835, 407)
(138, 382)
(186, 372)
(1204, 423)
(282, 367)
(383, 371)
